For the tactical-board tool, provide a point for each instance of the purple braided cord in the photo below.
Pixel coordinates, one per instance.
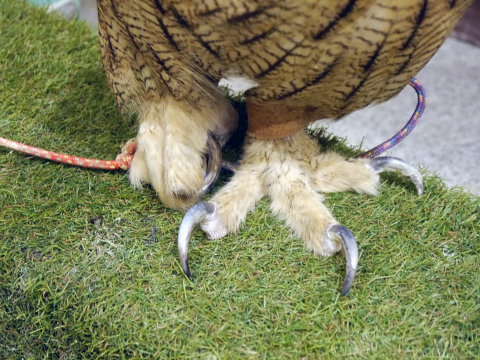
(399, 136)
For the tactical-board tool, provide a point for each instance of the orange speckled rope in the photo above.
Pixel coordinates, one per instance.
(122, 161)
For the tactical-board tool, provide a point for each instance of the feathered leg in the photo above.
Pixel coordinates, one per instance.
(303, 211)
(291, 177)
(332, 173)
(171, 143)
(237, 198)
(287, 181)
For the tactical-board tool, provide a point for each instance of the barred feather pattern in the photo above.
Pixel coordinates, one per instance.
(321, 58)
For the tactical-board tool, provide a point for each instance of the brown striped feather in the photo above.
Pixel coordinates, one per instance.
(322, 58)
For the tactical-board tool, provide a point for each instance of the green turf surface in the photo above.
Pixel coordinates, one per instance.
(89, 269)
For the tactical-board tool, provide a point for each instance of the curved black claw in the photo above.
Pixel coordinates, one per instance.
(193, 217)
(213, 164)
(205, 214)
(387, 163)
(230, 166)
(350, 248)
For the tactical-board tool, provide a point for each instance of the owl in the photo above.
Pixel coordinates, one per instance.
(296, 61)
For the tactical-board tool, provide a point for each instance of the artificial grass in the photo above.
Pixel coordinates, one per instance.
(88, 265)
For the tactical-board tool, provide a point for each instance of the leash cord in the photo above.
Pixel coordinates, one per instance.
(409, 126)
(124, 159)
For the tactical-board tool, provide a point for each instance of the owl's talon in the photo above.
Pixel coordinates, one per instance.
(387, 163)
(350, 249)
(213, 164)
(205, 214)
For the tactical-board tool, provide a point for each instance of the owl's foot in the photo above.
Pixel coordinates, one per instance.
(291, 172)
(176, 154)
